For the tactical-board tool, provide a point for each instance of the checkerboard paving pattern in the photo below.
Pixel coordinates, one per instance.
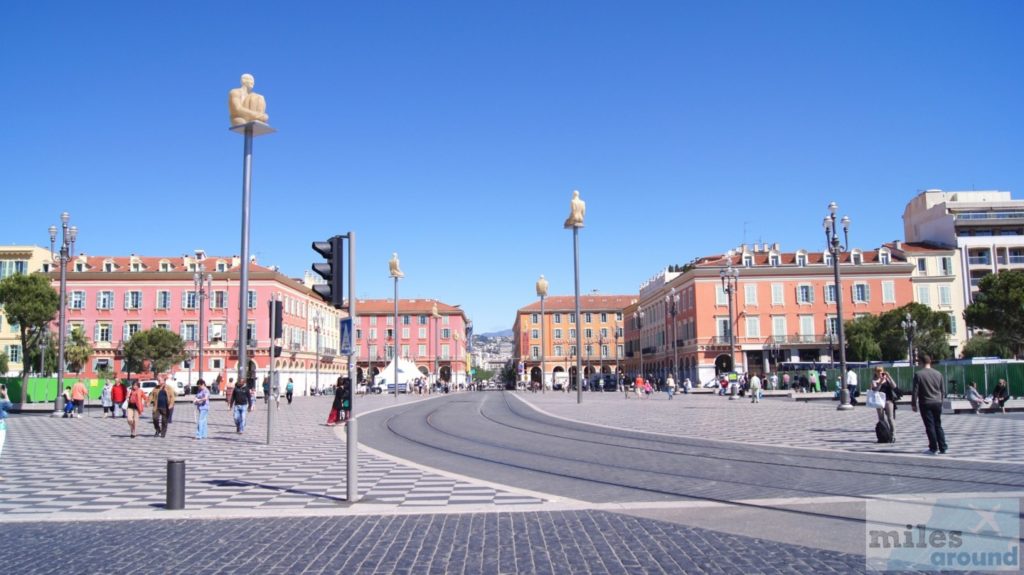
(91, 465)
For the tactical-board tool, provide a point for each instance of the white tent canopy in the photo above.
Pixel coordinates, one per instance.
(407, 372)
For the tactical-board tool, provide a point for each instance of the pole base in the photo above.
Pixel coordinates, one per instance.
(844, 407)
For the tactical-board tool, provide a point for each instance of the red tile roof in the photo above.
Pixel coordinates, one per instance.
(405, 307)
(587, 303)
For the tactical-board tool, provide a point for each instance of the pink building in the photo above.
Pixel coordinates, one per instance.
(111, 298)
(432, 335)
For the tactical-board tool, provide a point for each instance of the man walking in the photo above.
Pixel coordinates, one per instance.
(238, 402)
(755, 389)
(927, 398)
(162, 400)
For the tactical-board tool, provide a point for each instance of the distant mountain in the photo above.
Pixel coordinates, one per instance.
(503, 333)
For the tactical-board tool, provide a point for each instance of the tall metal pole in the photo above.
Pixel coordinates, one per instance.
(394, 354)
(243, 287)
(271, 409)
(835, 248)
(543, 346)
(316, 327)
(576, 274)
(352, 433)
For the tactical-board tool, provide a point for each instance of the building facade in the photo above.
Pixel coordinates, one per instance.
(986, 228)
(432, 334)
(111, 298)
(17, 260)
(938, 284)
(551, 359)
(783, 309)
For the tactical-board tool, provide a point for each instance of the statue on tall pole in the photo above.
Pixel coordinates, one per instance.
(246, 106)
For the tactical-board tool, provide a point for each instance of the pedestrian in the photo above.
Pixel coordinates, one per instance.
(238, 402)
(107, 399)
(773, 381)
(927, 399)
(338, 404)
(250, 386)
(266, 389)
(202, 403)
(785, 381)
(228, 390)
(851, 385)
(162, 400)
(670, 386)
(69, 404)
(78, 395)
(5, 404)
(1000, 395)
(755, 389)
(275, 390)
(118, 395)
(170, 387)
(638, 387)
(975, 398)
(687, 385)
(289, 390)
(883, 382)
(216, 385)
(136, 405)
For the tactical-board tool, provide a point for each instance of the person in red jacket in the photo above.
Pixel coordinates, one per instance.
(118, 394)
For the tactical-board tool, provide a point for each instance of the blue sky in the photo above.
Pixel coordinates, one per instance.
(454, 132)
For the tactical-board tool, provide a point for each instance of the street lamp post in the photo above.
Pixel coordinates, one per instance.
(590, 363)
(835, 249)
(203, 287)
(317, 323)
(672, 300)
(618, 360)
(542, 292)
(910, 327)
(730, 280)
(638, 317)
(600, 369)
(67, 248)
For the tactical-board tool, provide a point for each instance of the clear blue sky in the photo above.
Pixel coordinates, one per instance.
(455, 132)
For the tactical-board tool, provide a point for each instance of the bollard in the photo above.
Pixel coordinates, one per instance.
(175, 484)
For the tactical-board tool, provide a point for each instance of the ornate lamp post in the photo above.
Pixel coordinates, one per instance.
(67, 248)
(672, 301)
(542, 292)
(600, 353)
(730, 280)
(910, 327)
(203, 284)
(638, 317)
(835, 248)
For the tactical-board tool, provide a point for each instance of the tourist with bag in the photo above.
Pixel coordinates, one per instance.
(882, 396)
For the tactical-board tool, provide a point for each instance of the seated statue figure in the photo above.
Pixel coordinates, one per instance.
(246, 106)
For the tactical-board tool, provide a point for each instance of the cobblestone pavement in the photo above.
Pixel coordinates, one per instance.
(784, 422)
(558, 542)
(91, 465)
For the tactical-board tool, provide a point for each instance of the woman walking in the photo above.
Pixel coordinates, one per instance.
(338, 406)
(107, 399)
(202, 403)
(136, 404)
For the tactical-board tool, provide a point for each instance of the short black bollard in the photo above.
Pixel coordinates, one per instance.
(175, 484)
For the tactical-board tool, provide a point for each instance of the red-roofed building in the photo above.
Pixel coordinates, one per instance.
(784, 309)
(111, 298)
(433, 335)
(545, 349)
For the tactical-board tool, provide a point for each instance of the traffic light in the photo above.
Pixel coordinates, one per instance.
(276, 323)
(332, 271)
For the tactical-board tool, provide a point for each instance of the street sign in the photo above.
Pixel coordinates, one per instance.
(346, 337)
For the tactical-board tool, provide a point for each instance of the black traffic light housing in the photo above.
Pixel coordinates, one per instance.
(332, 271)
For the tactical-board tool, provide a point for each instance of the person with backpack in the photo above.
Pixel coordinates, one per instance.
(238, 402)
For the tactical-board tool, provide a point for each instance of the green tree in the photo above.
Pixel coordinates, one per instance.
(29, 302)
(162, 348)
(77, 350)
(861, 339)
(3, 363)
(931, 335)
(998, 307)
(985, 346)
(45, 347)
